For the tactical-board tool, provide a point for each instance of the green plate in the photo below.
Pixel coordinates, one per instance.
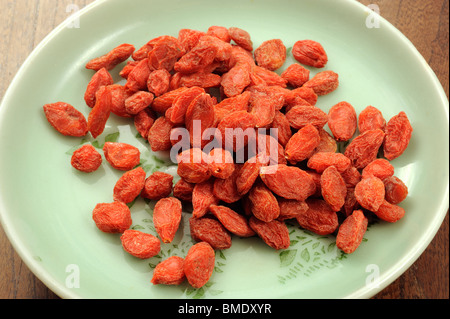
(46, 206)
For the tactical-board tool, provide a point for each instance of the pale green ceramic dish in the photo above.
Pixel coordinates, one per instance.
(46, 205)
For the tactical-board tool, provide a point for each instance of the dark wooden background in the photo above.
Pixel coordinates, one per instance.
(24, 23)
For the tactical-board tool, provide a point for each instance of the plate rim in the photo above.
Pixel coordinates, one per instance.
(364, 292)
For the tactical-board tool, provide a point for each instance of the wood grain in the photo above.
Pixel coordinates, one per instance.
(25, 23)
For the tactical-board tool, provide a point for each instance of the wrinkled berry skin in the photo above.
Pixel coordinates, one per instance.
(86, 159)
(310, 53)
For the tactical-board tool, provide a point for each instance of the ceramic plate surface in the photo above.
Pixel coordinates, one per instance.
(46, 206)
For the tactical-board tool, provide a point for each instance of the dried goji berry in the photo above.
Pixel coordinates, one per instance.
(138, 102)
(140, 244)
(302, 144)
(296, 75)
(200, 116)
(235, 223)
(263, 203)
(395, 190)
(118, 97)
(263, 108)
(129, 185)
(209, 230)
(351, 232)
(86, 159)
(321, 160)
(188, 38)
(275, 93)
(200, 79)
(169, 272)
(159, 135)
(224, 49)
(369, 193)
(196, 59)
(235, 80)
(66, 119)
(121, 156)
(241, 38)
(193, 166)
(199, 264)
(274, 233)
(271, 54)
(352, 176)
(288, 181)
(236, 130)
(363, 149)
(143, 51)
(351, 203)
(219, 32)
(137, 79)
(241, 56)
(380, 168)
(327, 142)
(112, 217)
(291, 208)
(310, 53)
(229, 105)
(163, 102)
(181, 103)
(167, 218)
(281, 123)
(158, 82)
(270, 150)
(143, 121)
(101, 78)
(183, 190)
(342, 121)
(248, 174)
(398, 134)
(323, 82)
(112, 58)
(316, 178)
(99, 114)
(128, 68)
(226, 189)
(303, 94)
(390, 212)
(203, 197)
(320, 218)
(158, 185)
(269, 78)
(164, 53)
(371, 118)
(334, 190)
(301, 115)
(221, 163)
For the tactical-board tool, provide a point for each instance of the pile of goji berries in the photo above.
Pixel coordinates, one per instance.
(169, 89)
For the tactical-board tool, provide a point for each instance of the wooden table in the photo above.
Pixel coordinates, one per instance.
(25, 23)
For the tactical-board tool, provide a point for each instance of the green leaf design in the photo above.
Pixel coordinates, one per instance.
(113, 137)
(305, 255)
(221, 255)
(200, 293)
(215, 292)
(287, 257)
(96, 144)
(158, 160)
